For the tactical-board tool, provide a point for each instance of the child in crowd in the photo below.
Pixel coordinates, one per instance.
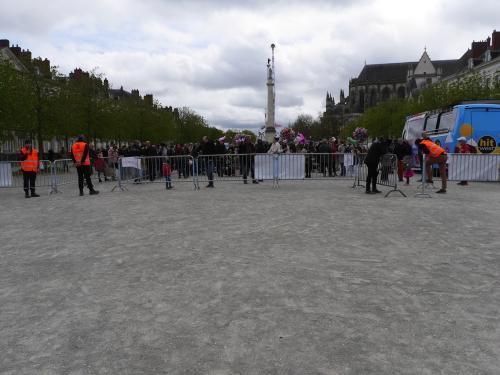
(100, 166)
(167, 172)
(407, 169)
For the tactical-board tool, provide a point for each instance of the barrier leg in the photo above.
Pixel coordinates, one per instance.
(53, 177)
(276, 164)
(394, 166)
(119, 184)
(422, 193)
(196, 183)
(392, 191)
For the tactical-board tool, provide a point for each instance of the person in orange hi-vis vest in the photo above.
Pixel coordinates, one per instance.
(29, 166)
(435, 155)
(81, 158)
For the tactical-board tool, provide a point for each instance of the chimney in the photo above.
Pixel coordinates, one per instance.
(495, 40)
(16, 50)
(4, 43)
(148, 100)
(26, 55)
(478, 48)
(46, 65)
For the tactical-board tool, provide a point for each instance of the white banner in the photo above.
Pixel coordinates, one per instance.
(348, 160)
(131, 162)
(5, 175)
(282, 166)
(473, 167)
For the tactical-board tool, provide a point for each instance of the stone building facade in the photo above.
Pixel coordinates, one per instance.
(380, 82)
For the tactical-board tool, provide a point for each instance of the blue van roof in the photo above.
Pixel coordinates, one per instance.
(478, 105)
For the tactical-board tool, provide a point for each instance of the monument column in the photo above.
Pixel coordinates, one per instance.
(270, 125)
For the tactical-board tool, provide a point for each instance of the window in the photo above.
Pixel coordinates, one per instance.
(373, 97)
(401, 92)
(414, 127)
(447, 120)
(431, 123)
(386, 93)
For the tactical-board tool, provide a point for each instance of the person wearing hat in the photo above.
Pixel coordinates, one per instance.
(80, 153)
(463, 148)
(435, 155)
(29, 166)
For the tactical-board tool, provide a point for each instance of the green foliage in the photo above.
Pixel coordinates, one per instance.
(56, 106)
(315, 128)
(230, 134)
(17, 102)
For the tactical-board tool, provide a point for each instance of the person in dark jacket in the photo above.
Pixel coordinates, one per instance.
(261, 147)
(220, 150)
(372, 159)
(151, 154)
(207, 148)
(247, 159)
(324, 159)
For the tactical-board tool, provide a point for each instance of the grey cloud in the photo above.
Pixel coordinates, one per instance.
(211, 55)
(238, 66)
(289, 100)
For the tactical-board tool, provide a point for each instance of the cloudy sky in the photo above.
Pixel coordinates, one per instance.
(210, 55)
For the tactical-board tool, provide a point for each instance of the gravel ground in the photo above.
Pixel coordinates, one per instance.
(313, 278)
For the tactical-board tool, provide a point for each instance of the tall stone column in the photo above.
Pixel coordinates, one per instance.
(271, 99)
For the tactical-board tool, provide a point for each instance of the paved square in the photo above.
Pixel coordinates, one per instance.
(316, 278)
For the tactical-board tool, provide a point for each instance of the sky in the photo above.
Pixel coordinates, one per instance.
(211, 55)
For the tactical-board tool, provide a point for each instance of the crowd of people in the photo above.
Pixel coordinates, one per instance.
(327, 157)
(324, 157)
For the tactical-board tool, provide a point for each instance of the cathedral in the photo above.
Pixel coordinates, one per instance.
(380, 82)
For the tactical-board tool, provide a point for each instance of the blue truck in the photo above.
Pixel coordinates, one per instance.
(478, 122)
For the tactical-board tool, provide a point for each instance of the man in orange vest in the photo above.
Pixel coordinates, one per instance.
(435, 155)
(81, 158)
(29, 166)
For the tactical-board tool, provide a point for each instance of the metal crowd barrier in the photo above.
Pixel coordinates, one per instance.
(387, 173)
(276, 167)
(149, 169)
(64, 172)
(249, 167)
(474, 167)
(11, 175)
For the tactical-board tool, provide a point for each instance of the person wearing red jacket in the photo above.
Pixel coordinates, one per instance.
(167, 173)
(463, 148)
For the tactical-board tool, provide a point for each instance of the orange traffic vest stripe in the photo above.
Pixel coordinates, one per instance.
(30, 164)
(434, 149)
(77, 150)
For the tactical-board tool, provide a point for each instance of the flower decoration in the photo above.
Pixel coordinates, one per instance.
(360, 134)
(287, 134)
(300, 139)
(239, 138)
